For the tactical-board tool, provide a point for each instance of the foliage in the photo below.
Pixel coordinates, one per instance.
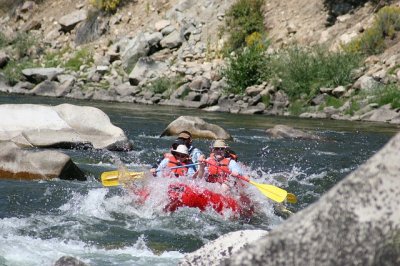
(54, 59)
(248, 67)
(3, 40)
(13, 70)
(303, 71)
(387, 94)
(297, 107)
(81, 57)
(106, 5)
(266, 99)
(242, 19)
(354, 107)
(165, 84)
(333, 101)
(22, 43)
(384, 28)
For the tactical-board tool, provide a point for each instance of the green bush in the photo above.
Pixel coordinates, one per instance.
(13, 70)
(249, 67)
(385, 27)
(303, 71)
(163, 84)
(107, 5)
(387, 94)
(22, 43)
(81, 57)
(3, 40)
(242, 19)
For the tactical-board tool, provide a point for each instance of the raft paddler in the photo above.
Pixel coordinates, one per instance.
(194, 153)
(177, 163)
(185, 138)
(219, 165)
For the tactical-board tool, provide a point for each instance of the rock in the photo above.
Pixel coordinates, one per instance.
(200, 84)
(146, 68)
(19, 164)
(69, 261)
(161, 24)
(223, 247)
(172, 40)
(62, 126)
(4, 58)
(383, 114)
(69, 21)
(37, 75)
(366, 83)
(357, 222)
(197, 126)
(132, 49)
(283, 131)
(339, 91)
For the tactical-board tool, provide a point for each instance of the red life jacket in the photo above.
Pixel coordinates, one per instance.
(173, 162)
(217, 170)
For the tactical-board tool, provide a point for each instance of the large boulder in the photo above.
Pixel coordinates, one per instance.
(16, 163)
(63, 126)
(197, 126)
(357, 222)
(223, 247)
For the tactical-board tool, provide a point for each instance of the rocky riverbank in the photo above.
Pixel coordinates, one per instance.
(169, 53)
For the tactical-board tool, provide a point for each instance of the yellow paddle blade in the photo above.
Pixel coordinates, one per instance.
(114, 178)
(291, 198)
(275, 193)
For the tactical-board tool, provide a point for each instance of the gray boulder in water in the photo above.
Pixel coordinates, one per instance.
(61, 126)
(197, 127)
(19, 164)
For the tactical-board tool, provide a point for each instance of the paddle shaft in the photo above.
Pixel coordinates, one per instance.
(176, 167)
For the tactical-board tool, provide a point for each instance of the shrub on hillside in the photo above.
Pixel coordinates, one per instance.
(106, 5)
(22, 43)
(13, 70)
(81, 57)
(164, 84)
(242, 19)
(248, 67)
(387, 94)
(303, 71)
(384, 28)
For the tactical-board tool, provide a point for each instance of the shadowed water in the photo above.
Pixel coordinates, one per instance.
(41, 221)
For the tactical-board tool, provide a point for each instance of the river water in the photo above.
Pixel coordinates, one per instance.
(41, 221)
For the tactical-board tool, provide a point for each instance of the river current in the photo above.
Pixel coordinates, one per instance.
(40, 221)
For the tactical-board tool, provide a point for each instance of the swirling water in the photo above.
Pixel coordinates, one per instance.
(41, 221)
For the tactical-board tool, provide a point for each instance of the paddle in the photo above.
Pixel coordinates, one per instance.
(275, 193)
(291, 198)
(113, 178)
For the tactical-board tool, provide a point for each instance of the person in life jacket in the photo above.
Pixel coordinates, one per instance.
(177, 163)
(219, 165)
(185, 138)
(195, 153)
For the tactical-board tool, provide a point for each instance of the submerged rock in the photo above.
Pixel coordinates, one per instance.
(283, 131)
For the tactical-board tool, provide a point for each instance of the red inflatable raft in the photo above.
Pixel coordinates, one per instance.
(184, 195)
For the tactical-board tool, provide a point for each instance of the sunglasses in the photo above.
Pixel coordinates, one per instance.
(219, 149)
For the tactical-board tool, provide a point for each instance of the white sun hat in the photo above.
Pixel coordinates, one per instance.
(182, 149)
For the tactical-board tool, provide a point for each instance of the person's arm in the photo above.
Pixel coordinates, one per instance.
(155, 166)
(161, 167)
